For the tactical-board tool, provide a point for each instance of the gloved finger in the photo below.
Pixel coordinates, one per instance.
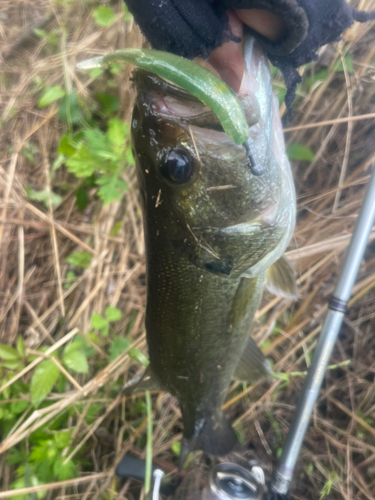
(228, 59)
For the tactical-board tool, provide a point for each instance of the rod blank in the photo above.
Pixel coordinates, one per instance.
(284, 472)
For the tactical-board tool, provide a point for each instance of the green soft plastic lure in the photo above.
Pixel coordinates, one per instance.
(201, 83)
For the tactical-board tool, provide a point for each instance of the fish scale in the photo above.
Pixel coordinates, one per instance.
(178, 319)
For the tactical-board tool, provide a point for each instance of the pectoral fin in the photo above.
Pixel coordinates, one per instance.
(281, 279)
(253, 365)
(146, 382)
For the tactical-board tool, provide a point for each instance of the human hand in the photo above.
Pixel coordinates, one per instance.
(228, 59)
(290, 32)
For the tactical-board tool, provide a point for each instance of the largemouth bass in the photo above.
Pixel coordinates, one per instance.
(213, 233)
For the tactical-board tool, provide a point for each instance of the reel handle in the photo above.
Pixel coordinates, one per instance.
(230, 481)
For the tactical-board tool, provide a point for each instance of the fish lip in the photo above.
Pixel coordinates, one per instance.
(156, 91)
(184, 107)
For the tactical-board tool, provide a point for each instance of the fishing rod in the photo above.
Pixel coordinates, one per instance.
(283, 473)
(229, 481)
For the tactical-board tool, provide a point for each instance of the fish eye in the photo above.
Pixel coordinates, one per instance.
(178, 166)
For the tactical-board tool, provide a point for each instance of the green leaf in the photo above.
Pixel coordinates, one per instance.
(83, 162)
(13, 365)
(63, 438)
(265, 344)
(129, 158)
(111, 188)
(76, 345)
(108, 104)
(95, 72)
(66, 146)
(93, 337)
(316, 78)
(176, 448)
(100, 323)
(19, 406)
(27, 481)
(79, 259)
(51, 95)
(82, 198)
(42, 197)
(45, 451)
(69, 109)
(117, 67)
(29, 152)
(140, 406)
(76, 360)
(118, 346)
(90, 181)
(348, 63)
(70, 278)
(92, 412)
(112, 313)
(64, 471)
(6, 391)
(8, 353)
(61, 385)
(44, 378)
(280, 94)
(240, 437)
(127, 14)
(299, 152)
(103, 16)
(96, 139)
(50, 38)
(16, 456)
(58, 162)
(131, 319)
(116, 228)
(118, 132)
(41, 33)
(138, 356)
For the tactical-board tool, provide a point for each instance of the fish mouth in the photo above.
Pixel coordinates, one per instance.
(168, 101)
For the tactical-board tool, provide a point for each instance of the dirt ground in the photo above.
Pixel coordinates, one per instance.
(338, 456)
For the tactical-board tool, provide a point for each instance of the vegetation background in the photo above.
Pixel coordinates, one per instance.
(72, 270)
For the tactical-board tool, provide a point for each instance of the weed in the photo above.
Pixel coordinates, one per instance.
(104, 16)
(50, 95)
(104, 155)
(299, 152)
(45, 461)
(332, 479)
(43, 197)
(288, 376)
(79, 259)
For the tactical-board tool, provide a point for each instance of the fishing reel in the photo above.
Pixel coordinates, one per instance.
(227, 481)
(230, 481)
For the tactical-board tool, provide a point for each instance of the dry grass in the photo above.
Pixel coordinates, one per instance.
(34, 242)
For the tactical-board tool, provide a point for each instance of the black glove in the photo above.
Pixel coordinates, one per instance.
(193, 28)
